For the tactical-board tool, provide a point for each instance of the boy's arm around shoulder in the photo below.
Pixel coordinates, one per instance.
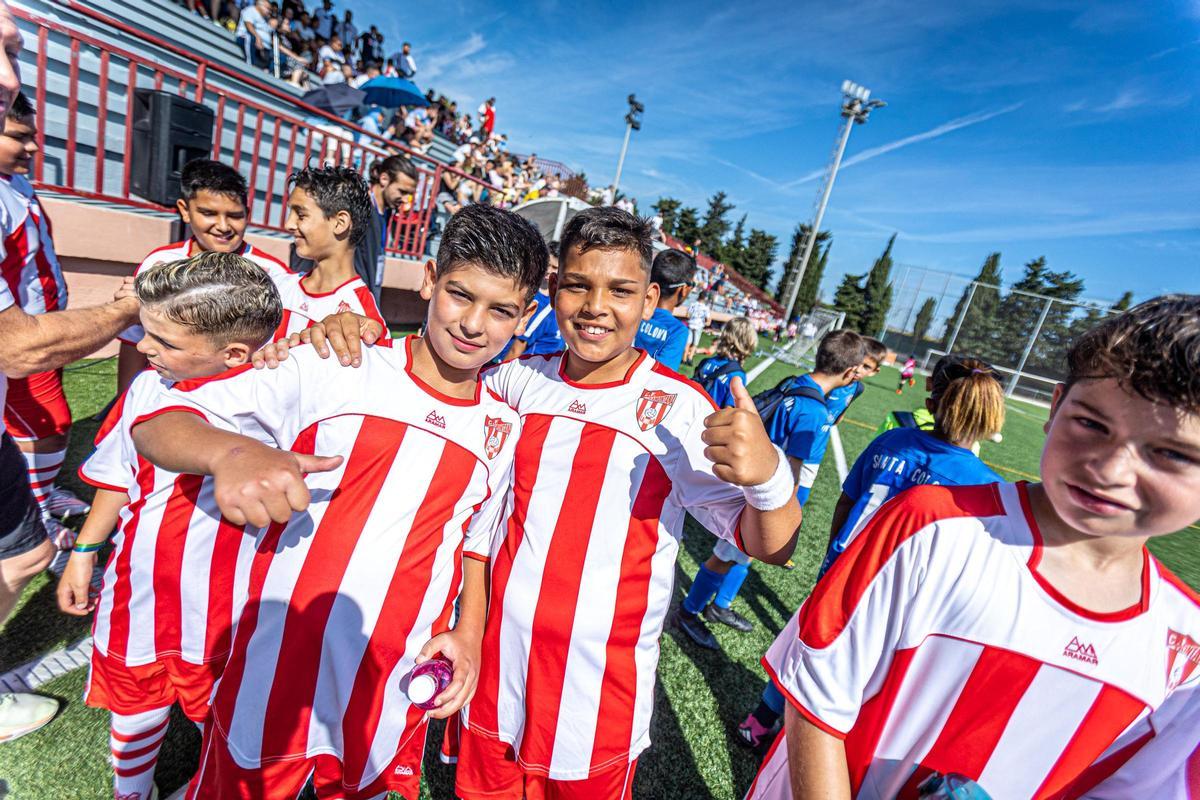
(740, 454)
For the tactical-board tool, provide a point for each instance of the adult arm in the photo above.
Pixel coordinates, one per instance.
(816, 760)
(40, 342)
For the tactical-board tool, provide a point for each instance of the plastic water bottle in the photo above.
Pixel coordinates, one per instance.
(951, 786)
(428, 680)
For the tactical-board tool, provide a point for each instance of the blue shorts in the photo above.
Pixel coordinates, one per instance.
(21, 528)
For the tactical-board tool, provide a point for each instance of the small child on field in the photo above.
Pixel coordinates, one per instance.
(1020, 635)
(906, 374)
(839, 399)
(716, 373)
(163, 615)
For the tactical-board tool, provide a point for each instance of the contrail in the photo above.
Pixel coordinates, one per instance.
(932, 133)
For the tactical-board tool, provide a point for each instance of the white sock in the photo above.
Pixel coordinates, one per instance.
(43, 468)
(135, 740)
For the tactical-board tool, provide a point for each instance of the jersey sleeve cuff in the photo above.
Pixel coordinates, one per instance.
(167, 410)
(812, 718)
(476, 556)
(83, 476)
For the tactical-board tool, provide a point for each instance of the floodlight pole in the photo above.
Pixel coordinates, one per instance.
(856, 106)
(621, 161)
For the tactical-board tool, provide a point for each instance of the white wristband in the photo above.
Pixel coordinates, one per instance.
(775, 492)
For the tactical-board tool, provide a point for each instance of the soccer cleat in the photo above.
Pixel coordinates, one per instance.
(696, 630)
(24, 713)
(789, 564)
(752, 733)
(62, 536)
(62, 503)
(727, 616)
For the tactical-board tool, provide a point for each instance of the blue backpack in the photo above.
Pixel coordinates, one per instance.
(768, 402)
(709, 383)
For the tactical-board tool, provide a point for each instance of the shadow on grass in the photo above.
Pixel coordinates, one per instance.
(39, 627)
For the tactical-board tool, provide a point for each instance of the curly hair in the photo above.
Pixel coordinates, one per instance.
(1152, 350)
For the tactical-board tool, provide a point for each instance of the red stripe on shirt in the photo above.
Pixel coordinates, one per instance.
(527, 460)
(370, 309)
(1102, 770)
(554, 616)
(825, 614)
(618, 690)
(168, 563)
(863, 738)
(222, 571)
(290, 702)
(45, 271)
(405, 593)
(1111, 713)
(118, 619)
(16, 251)
(981, 712)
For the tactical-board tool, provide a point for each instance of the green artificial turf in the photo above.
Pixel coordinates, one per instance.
(701, 695)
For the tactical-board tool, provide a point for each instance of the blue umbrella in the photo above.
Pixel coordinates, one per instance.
(393, 92)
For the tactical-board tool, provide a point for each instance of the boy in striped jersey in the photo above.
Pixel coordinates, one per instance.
(356, 580)
(170, 593)
(1020, 635)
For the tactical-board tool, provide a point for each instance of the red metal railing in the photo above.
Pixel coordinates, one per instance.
(304, 132)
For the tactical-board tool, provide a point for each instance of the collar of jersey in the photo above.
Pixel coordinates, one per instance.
(325, 294)
(629, 373)
(429, 390)
(192, 383)
(1035, 558)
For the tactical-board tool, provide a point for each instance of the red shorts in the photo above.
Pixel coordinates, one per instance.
(488, 770)
(131, 690)
(36, 407)
(219, 775)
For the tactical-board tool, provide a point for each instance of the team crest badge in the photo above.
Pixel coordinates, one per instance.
(343, 307)
(497, 431)
(652, 408)
(1183, 657)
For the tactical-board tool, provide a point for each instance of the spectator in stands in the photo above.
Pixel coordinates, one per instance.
(304, 28)
(406, 67)
(324, 20)
(331, 57)
(370, 45)
(348, 32)
(254, 34)
(487, 117)
(371, 72)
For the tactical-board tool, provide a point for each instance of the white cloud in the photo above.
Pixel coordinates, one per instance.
(438, 62)
(932, 133)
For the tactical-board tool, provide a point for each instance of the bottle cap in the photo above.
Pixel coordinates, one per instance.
(421, 688)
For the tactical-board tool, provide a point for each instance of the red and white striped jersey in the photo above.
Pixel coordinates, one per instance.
(176, 582)
(353, 296)
(6, 301)
(934, 644)
(344, 596)
(28, 262)
(582, 575)
(177, 250)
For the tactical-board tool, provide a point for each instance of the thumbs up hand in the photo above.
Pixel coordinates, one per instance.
(737, 442)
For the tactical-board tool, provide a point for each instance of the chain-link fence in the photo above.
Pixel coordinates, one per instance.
(1023, 334)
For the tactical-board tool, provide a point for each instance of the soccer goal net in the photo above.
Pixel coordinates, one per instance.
(809, 330)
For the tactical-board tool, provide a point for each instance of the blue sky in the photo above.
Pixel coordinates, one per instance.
(1063, 129)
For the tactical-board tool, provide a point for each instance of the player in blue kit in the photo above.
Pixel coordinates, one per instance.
(799, 424)
(967, 402)
(838, 400)
(541, 334)
(716, 372)
(664, 336)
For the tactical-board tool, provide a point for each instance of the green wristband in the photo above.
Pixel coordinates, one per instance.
(87, 548)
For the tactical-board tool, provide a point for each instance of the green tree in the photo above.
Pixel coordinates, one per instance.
(980, 323)
(1020, 312)
(733, 248)
(715, 224)
(806, 297)
(1124, 303)
(849, 297)
(668, 209)
(759, 256)
(877, 294)
(687, 227)
(923, 323)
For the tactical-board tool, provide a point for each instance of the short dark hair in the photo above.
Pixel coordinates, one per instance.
(394, 166)
(671, 270)
(20, 108)
(875, 349)
(336, 189)
(839, 351)
(554, 248)
(206, 175)
(1150, 350)
(608, 228)
(498, 241)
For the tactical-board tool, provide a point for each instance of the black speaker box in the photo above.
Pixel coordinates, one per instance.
(168, 132)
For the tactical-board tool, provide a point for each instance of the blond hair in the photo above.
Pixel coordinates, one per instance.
(221, 295)
(968, 399)
(738, 340)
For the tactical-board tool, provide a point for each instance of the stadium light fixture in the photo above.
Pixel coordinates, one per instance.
(633, 122)
(857, 105)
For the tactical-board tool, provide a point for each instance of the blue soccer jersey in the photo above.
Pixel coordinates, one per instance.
(719, 391)
(896, 460)
(664, 337)
(801, 427)
(541, 334)
(839, 399)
